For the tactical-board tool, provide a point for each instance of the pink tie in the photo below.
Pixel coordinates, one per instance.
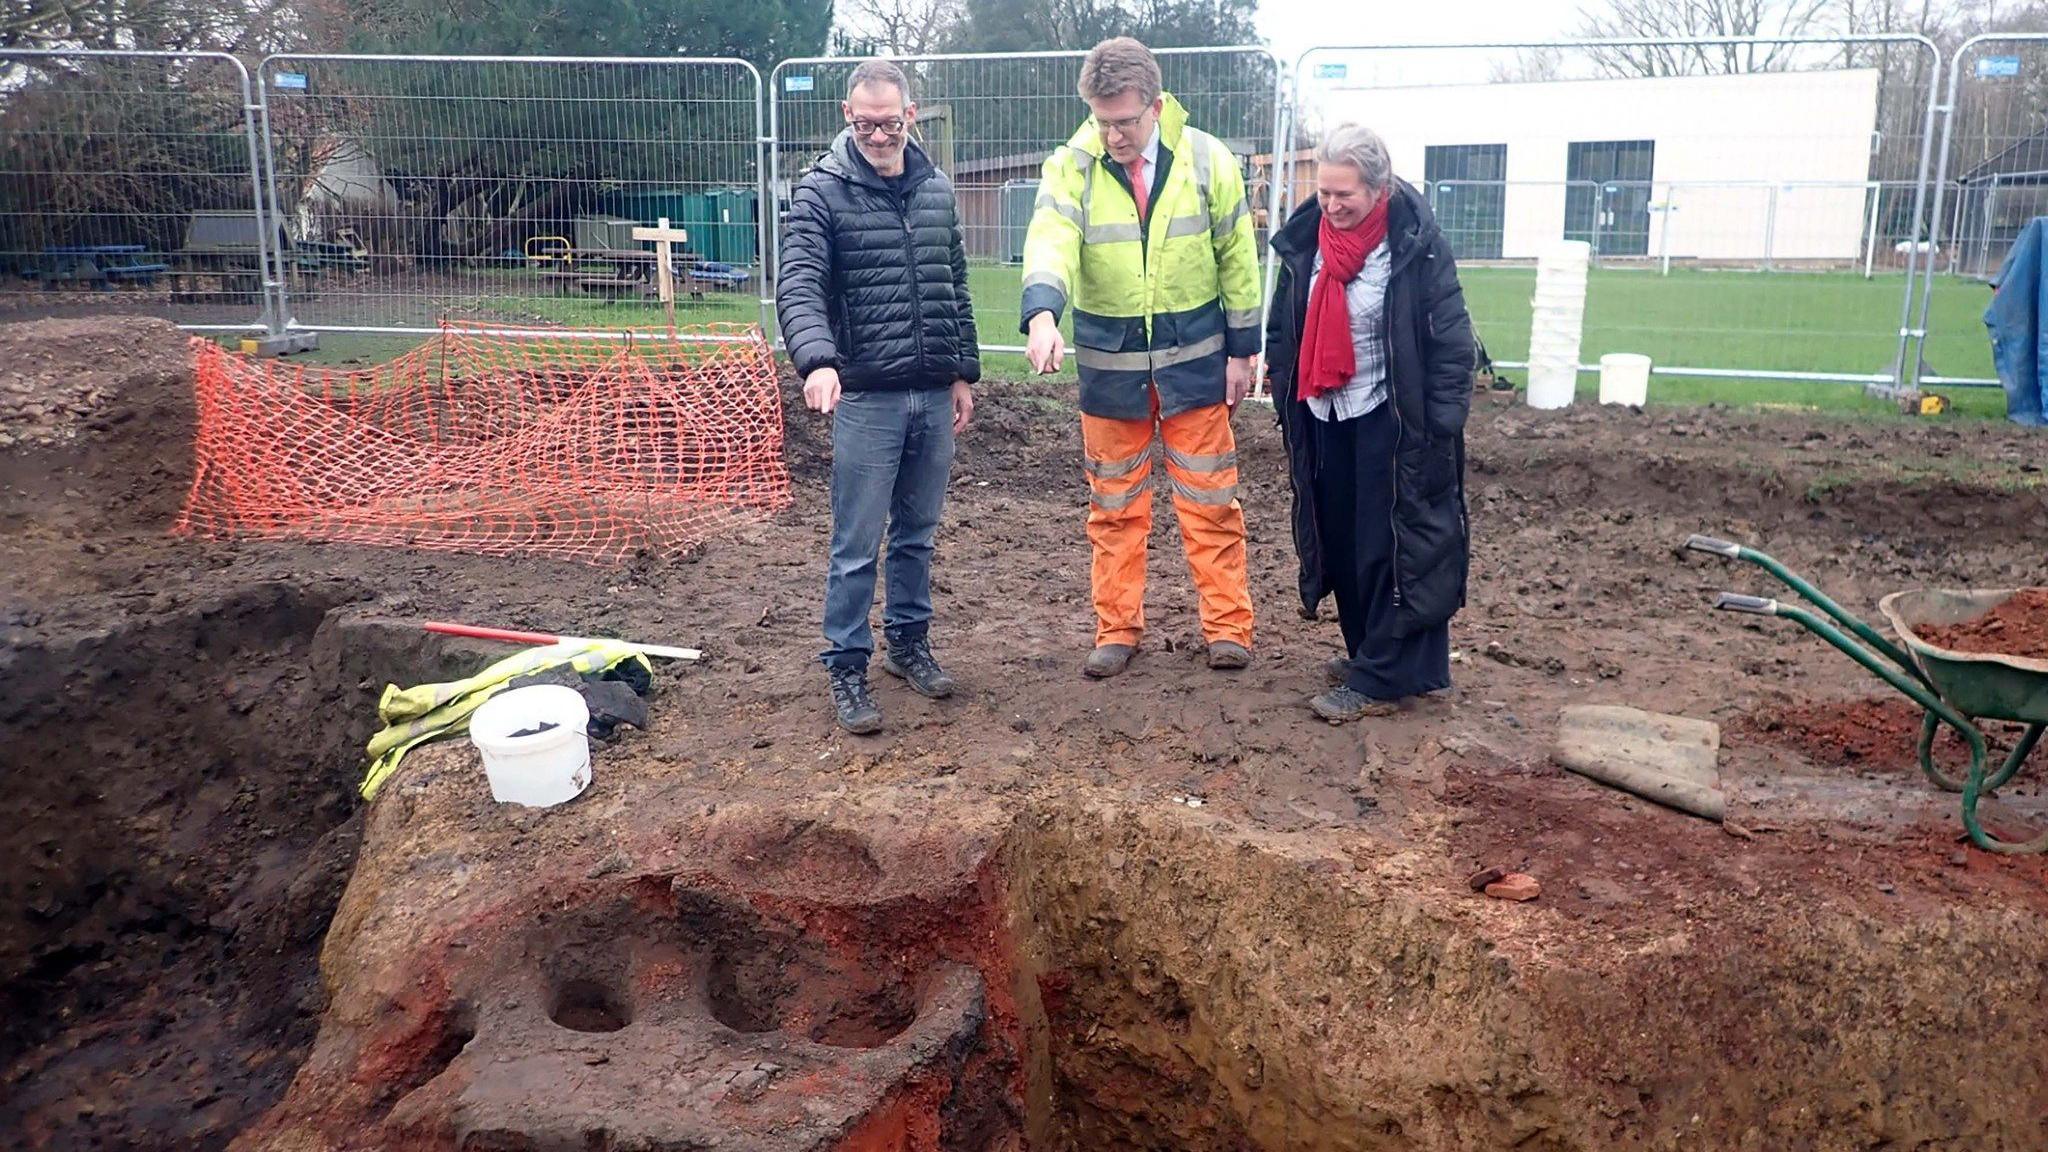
(1140, 191)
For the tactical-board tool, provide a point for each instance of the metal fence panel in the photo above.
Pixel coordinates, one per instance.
(1993, 179)
(1753, 204)
(507, 189)
(130, 180)
(1745, 224)
(989, 122)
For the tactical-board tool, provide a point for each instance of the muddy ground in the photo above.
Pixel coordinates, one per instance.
(1295, 962)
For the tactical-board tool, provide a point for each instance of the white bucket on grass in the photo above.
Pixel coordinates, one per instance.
(1624, 379)
(535, 744)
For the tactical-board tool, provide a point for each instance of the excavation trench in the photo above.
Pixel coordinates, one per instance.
(666, 966)
(180, 818)
(994, 929)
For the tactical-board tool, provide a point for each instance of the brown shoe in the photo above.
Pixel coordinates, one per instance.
(1229, 654)
(1107, 660)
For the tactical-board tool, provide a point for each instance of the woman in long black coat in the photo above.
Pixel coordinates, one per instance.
(1370, 357)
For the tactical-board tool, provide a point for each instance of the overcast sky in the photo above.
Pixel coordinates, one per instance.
(1293, 26)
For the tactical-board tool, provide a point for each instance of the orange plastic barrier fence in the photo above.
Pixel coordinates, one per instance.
(498, 441)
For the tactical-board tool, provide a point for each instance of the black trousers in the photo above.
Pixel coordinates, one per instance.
(1354, 487)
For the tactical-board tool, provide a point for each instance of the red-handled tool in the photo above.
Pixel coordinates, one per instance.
(513, 636)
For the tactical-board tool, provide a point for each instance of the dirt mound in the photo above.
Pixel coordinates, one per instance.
(96, 421)
(2018, 627)
(1013, 424)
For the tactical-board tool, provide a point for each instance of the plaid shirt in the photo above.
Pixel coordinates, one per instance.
(1365, 298)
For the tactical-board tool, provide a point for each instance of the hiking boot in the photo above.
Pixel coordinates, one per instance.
(1229, 654)
(850, 700)
(912, 660)
(1107, 660)
(1336, 670)
(1342, 705)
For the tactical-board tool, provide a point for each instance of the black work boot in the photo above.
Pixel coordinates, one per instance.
(912, 660)
(1108, 660)
(850, 700)
(1344, 704)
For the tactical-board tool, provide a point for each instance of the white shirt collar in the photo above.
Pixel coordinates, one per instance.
(1151, 152)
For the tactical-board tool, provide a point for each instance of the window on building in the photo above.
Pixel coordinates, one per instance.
(1467, 188)
(1607, 202)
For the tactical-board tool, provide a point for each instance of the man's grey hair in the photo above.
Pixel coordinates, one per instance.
(879, 71)
(1360, 148)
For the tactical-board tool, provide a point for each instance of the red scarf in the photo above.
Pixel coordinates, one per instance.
(1327, 360)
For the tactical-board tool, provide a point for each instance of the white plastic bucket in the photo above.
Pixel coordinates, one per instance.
(535, 744)
(1552, 385)
(1624, 379)
(1557, 322)
(1567, 253)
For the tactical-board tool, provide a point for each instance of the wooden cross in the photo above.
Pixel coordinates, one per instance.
(664, 271)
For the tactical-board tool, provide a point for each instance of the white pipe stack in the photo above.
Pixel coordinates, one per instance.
(1557, 319)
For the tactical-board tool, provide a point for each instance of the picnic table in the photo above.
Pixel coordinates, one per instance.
(615, 273)
(105, 266)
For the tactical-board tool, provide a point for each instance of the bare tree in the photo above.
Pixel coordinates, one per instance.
(1757, 20)
(899, 27)
(1530, 66)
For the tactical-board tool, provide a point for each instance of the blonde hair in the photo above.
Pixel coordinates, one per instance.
(1120, 65)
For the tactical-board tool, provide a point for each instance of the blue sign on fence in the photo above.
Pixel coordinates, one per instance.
(289, 81)
(799, 83)
(1998, 66)
(1332, 71)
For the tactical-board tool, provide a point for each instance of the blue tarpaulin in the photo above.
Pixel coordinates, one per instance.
(2019, 326)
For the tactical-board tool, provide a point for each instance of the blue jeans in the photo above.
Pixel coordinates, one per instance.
(892, 453)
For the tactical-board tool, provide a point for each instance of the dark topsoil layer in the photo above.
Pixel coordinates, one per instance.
(184, 727)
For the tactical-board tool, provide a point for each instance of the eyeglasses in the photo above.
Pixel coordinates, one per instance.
(1128, 126)
(886, 127)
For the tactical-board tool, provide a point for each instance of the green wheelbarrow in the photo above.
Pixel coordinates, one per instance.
(1953, 688)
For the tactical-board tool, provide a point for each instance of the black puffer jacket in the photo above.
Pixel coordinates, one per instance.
(873, 282)
(1430, 361)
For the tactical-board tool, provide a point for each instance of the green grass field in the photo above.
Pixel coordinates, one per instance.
(1721, 319)
(1782, 321)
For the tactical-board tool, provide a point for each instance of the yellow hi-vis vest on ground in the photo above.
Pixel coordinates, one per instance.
(1162, 305)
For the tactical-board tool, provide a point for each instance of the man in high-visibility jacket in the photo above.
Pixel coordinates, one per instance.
(1142, 228)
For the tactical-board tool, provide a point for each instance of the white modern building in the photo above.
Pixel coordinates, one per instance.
(1757, 166)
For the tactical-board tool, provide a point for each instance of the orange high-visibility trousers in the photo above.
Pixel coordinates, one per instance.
(1201, 464)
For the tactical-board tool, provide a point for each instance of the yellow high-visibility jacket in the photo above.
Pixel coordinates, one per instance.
(1160, 306)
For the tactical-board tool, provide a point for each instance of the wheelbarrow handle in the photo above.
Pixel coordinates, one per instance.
(1811, 595)
(1756, 605)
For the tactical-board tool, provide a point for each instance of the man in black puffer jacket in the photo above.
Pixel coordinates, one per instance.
(873, 303)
